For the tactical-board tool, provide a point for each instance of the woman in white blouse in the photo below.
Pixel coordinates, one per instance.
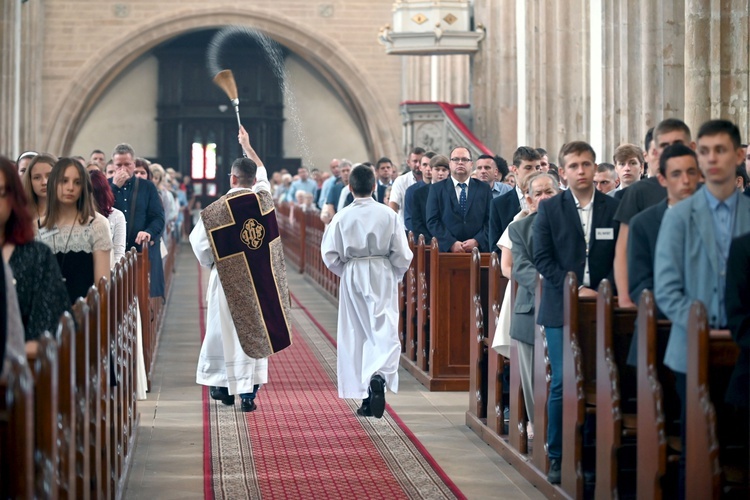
(104, 199)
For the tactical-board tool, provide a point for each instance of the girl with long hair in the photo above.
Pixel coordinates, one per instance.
(78, 235)
(42, 296)
(104, 200)
(34, 181)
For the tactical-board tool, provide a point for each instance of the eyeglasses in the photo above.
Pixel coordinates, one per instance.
(461, 160)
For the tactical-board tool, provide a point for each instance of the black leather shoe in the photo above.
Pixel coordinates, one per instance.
(377, 395)
(248, 405)
(364, 411)
(228, 400)
(218, 393)
(553, 476)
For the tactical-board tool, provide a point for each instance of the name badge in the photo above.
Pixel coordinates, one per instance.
(605, 233)
(45, 233)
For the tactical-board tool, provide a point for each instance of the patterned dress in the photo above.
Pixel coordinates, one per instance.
(74, 246)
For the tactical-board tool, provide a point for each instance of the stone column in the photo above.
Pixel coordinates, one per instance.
(494, 77)
(734, 78)
(698, 53)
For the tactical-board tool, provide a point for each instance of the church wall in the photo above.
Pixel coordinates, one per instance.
(126, 112)
(87, 44)
(326, 125)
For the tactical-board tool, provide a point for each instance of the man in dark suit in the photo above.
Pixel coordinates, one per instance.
(573, 231)
(440, 168)
(383, 171)
(458, 208)
(679, 174)
(139, 201)
(526, 161)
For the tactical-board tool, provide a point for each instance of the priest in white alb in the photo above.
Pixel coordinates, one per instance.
(365, 245)
(247, 316)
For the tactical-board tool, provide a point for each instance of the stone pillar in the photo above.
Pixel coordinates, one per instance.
(734, 77)
(698, 42)
(7, 76)
(494, 78)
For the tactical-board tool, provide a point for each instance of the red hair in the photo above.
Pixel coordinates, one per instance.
(19, 229)
(102, 193)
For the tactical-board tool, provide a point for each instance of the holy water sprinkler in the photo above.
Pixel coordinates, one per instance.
(225, 80)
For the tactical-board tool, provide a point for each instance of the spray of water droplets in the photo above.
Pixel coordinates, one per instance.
(275, 58)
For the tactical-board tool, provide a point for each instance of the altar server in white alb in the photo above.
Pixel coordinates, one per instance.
(365, 244)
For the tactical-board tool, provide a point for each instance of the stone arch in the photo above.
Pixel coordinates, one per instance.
(327, 56)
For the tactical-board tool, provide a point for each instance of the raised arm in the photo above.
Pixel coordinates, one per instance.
(261, 176)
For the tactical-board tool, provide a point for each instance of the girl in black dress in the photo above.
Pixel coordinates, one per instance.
(78, 235)
(42, 296)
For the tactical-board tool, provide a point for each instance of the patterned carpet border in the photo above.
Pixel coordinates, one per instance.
(393, 432)
(235, 441)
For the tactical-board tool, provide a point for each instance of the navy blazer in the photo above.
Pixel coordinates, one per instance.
(738, 317)
(502, 211)
(444, 219)
(419, 214)
(560, 247)
(380, 192)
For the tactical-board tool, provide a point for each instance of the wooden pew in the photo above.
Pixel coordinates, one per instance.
(542, 378)
(422, 347)
(449, 358)
(410, 312)
(614, 389)
(67, 407)
(579, 376)
(478, 335)
(94, 407)
(17, 431)
(652, 432)
(496, 285)
(707, 351)
(106, 362)
(46, 371)
(82, 397)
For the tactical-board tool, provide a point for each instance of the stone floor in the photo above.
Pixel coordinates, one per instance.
(168, 460)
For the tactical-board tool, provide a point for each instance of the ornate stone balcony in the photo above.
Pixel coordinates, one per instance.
(431, 28)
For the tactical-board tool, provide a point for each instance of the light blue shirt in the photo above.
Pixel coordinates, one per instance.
(325, 189)
(500, 188)
(723, 214)
(307, 186)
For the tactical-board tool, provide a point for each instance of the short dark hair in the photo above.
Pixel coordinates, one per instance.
(525, 153)
(96, 152)
(742, 172)
(541, 151)
(578, 147)
(502, 166)
(674, 151)
(605, 168)
(244, 169)
(671, 125)
(417, 151)
(649, 138)
(361, 180)
(486, 157)
(430, 154)
(716, 127)
(382, 160)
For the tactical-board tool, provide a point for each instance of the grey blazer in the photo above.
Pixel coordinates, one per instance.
(686, 267)
(522, 325)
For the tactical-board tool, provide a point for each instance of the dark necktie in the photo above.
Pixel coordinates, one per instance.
(462, 197)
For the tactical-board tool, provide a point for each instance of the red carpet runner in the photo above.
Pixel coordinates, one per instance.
(305, 442)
